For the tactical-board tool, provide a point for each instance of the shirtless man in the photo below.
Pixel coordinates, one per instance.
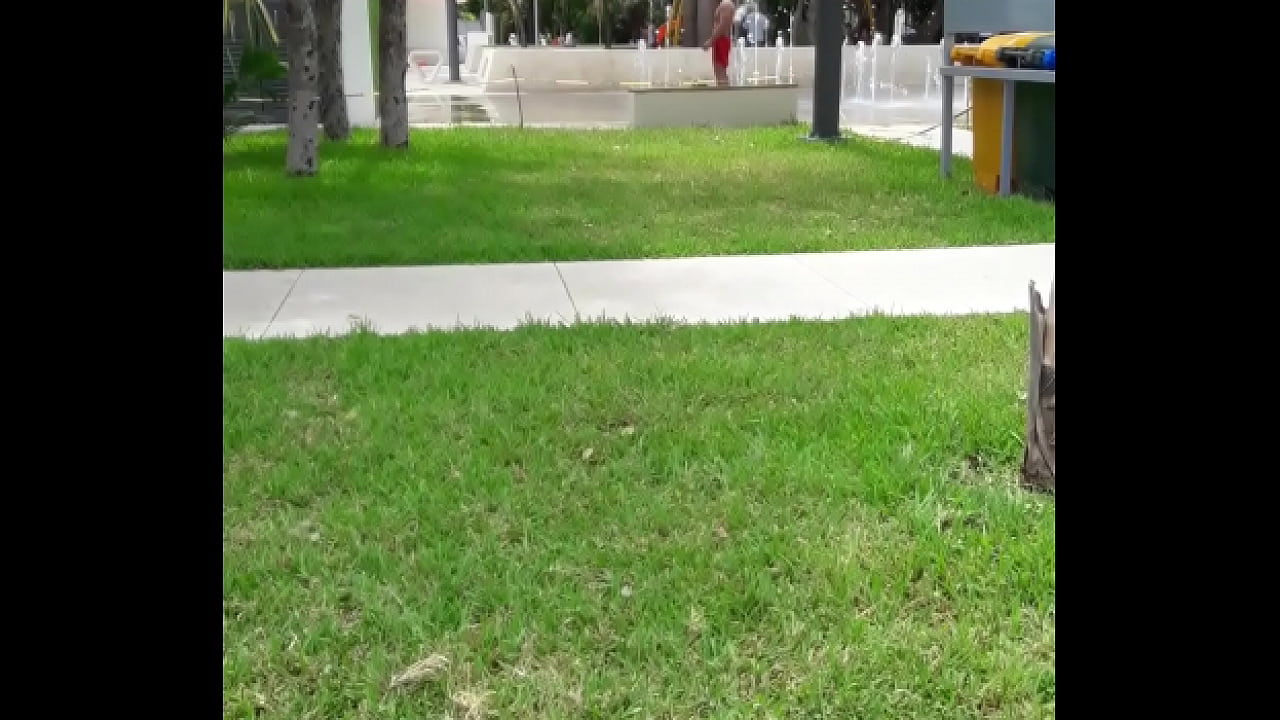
(721, 26)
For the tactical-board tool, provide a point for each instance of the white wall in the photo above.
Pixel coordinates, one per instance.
(715, 107)
(357, 64)
(476, 41)
(425, 25)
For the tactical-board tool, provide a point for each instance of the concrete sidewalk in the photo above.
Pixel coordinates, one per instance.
(392, 300)
(924, 136)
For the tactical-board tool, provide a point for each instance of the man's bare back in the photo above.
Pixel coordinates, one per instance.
(719, 42)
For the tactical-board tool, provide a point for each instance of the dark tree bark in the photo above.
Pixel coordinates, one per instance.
(393, 63)
(333, 97)
(300, 152)
(1039, 459)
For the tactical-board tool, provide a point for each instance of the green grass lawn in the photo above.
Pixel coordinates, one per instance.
(472, 195)
(750, 521)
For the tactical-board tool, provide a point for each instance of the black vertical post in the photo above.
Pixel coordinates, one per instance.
(451, 27)
(826, 70)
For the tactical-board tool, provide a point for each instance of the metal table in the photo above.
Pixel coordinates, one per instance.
(1008, 78)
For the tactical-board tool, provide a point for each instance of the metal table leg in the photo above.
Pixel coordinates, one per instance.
(1006, 140)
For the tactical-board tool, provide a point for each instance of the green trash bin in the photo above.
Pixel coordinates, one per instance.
(1034, 137)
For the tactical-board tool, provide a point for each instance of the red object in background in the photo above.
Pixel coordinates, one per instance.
(720, 52)
(661, 34)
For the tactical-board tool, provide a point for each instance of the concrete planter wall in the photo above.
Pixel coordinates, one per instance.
(743, 106)
(594, 68)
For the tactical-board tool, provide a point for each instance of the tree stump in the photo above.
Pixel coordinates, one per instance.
(1039, 459)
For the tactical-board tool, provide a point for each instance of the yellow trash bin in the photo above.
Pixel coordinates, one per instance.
(987, 100)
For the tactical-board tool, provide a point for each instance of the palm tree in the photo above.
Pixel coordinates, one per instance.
(300, 152)
(393, 62)
(333, 98)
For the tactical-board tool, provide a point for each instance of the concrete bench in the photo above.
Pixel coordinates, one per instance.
(732, 106)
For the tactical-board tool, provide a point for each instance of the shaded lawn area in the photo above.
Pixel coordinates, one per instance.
(751, 521)
(479, 195)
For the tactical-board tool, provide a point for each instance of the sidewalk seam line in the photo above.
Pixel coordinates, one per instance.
(283, 300)
(822, 276)
(567, 292)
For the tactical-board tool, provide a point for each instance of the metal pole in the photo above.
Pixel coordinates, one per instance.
(451, 28)
(1006, 139)
(826, 71)
(948, 100)
(536, 37)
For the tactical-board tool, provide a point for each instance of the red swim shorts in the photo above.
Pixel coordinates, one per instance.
(720, 52)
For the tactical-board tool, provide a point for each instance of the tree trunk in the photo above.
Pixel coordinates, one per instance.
(1039, 459)
(393, 62)
(300, 153)
(333, 97)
